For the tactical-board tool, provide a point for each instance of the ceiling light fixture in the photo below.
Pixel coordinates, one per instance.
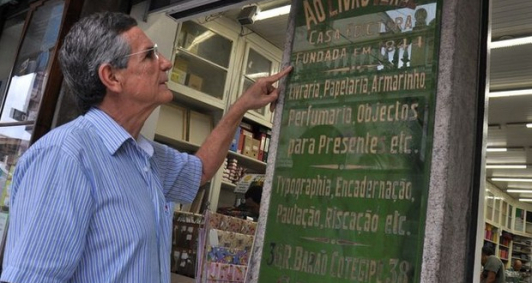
(506, 166)
(510, 179)
(492, 197)
(262, 15)
(506, 93)
(526, 199)
(519, 191)
(511, 42)
(496, 149)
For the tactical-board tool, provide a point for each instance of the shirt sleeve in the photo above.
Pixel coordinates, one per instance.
(492, 264)
(180, 173)
(50, 212)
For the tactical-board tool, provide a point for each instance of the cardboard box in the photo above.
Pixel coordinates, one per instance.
(195, 82)
(172, 122)
(248, 145)
(180, 64)
(255, 145)
(178, 76)
(200, 126)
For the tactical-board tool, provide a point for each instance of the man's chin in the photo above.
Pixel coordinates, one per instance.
(168, 95)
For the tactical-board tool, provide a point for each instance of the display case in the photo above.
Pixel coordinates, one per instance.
(506, 215)
(258, 63)
(490, 202)
(202, 64)
(213, 64)
(519, 224)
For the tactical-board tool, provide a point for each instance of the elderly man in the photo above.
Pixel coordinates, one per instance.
(92, 200)
(513, 274)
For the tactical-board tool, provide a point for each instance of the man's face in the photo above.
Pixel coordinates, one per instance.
(483, 259)
(144, 79)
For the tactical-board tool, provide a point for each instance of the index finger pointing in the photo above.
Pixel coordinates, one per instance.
(275, 77)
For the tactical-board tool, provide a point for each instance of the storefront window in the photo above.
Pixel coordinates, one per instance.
(25, 79)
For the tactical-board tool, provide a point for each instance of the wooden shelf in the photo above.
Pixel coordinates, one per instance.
(248, 162)
(243, 160)
(487, 240)
(189, 97)
(180, 145)
(228, 186)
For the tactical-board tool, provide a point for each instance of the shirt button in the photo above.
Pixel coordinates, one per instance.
(146, 169)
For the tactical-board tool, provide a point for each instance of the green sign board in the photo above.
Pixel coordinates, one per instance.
(350, 186)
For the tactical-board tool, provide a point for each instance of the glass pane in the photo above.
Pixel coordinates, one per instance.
(247, 84)
(205, 43)
(257, 66)
(528, 227)
(519, 219)
(14, 141)
(199, 75)
(29, 74)
(504, 211)
(496, 209)
(489, 205)
(10, 36)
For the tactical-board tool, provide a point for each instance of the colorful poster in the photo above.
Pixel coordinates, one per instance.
(353, 162)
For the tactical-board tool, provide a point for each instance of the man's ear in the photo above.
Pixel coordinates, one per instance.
(109, 77)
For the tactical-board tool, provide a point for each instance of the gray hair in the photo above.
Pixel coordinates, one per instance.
(93, 41)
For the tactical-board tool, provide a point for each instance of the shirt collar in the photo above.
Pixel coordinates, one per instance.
(113, 135)
(145, 145)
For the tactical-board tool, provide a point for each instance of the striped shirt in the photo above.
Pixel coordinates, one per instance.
(91, 204)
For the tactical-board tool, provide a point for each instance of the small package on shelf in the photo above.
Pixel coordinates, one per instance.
(200, 126)
(178, 76)
(172, 121)
(195, 82)
(179, 70)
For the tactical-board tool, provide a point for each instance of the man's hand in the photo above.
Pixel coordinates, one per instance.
(262, 91)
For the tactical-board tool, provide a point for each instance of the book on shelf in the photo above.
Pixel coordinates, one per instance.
(244, 132)
(235, 141)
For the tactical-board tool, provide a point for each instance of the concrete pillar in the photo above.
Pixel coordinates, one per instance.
(452, 208)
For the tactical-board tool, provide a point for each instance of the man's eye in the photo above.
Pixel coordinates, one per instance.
(150, 54)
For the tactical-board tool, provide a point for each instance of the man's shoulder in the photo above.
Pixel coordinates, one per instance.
(493, 264)
(74, 131)
(69, 140)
